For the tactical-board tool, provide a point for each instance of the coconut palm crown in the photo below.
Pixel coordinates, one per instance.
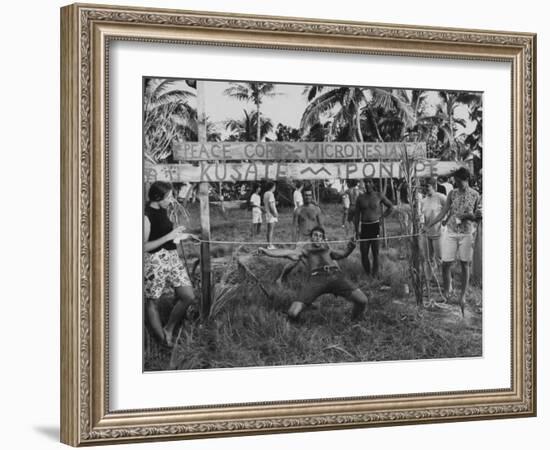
(253, 92)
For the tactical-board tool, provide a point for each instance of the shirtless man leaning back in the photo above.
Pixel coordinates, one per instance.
(325, 275)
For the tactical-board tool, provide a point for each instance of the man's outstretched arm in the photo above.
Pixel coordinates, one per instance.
(294, 255)
(341, 254)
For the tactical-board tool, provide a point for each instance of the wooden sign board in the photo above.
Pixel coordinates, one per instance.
(264, 170)
(296, 151)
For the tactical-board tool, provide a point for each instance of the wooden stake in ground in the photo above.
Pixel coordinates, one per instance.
(477, 265)
(204, 210)
(415, 266)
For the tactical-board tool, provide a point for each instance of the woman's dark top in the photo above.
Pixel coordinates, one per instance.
(160, 226)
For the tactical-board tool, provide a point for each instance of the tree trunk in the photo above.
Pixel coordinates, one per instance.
(358, 124)
(258, 123)
(375, 125)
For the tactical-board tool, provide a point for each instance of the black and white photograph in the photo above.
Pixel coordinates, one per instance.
(296, 224)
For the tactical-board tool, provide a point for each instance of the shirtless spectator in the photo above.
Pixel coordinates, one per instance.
(352, 194)
(325, 277)
(368, 213)
(305, 218)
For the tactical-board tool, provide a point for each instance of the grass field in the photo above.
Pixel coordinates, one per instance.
(250, 328)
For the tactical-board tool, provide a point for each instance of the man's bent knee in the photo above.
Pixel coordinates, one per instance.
(357, 296)
(295, 309)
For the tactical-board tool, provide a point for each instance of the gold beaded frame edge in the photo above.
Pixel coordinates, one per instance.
(86, 31)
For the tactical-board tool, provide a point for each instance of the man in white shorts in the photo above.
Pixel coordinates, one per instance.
(297, 198)
(271, 214)
(464, 207)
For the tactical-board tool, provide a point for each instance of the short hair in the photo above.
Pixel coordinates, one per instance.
(269, 185)
(308, 188)
(255, 187)
(317, 228)
(352, 183)
(368, 180)
(432, 182)
(158, 190)
(462, 174)
(298, 184)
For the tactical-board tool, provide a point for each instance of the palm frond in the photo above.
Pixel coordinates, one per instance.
(322, 104)
(311, 91)
(173, 96)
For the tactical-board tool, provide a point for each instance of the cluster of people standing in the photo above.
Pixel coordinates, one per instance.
(449, 215)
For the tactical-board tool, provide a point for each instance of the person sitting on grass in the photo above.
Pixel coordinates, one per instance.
(325, 276)
(162, 265)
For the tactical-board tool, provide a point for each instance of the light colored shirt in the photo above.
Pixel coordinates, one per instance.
(345, 200)
(448, 187)
(353, 193)
(255, 200)
(297, 198)
(431, 207)
(269, 199)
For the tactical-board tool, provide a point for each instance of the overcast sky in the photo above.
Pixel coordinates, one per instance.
(286, 107)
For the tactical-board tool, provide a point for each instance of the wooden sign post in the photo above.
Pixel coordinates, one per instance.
(206, 162)
(220, 171)
(204, 188)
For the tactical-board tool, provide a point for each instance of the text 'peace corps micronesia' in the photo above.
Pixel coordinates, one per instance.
(296, 151)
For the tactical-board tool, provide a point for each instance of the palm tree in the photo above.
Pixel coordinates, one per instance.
(438, 126)
(347, 100)
(167, 116)
(253, 92)
(389, 113)
(212, 134)
(244, 129)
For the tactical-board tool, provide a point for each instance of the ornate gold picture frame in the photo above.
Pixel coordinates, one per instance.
(87, 31)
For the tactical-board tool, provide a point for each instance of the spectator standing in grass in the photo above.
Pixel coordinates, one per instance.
(256, 207)
(352, 193)
(345, 208)
(369, 212)
(271, 214)
(463, 207)
(431, 206)
(297, 198)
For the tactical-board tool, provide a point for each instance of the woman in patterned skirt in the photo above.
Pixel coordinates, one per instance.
(162, 266)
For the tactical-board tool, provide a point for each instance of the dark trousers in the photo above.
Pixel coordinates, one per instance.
(369, 234)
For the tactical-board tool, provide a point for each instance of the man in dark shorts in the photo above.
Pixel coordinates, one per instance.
(326, 277)
(368, 213)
